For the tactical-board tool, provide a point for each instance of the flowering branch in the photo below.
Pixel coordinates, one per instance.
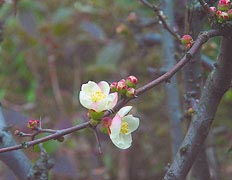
(202, 38)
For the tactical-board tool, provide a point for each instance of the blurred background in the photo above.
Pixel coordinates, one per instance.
(50, 48)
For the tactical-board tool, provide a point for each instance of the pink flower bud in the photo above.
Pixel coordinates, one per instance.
(121, 86)
(222, 17)
(213, 9)
(186, 39)
(130, 92)
(223, 5)
(230, 14)
(113, 86)
(33, 124)
(131, 81)
(105, 125)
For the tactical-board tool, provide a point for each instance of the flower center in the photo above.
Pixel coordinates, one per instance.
(124, 128)
(97, 96)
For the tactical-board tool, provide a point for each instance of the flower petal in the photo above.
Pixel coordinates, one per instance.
(104, 86)
(115, 126)
(122, 141)
(112, 100)
(85, 100)
(133, 123)
(123, 111)
(90, 88)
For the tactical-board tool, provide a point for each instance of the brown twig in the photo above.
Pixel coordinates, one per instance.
(161, 18)
(58, 133)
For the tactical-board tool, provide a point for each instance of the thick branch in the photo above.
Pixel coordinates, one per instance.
(217, 84)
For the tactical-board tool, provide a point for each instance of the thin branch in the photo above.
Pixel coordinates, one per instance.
(161, 18)
(56, 135)
(202, 38)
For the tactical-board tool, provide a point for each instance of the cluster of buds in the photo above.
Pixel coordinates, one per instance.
(125, 87)
(33, 124)
(223, 11)
(187, 41)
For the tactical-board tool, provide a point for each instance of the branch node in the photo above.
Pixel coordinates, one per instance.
(183, 150)
(25, 145)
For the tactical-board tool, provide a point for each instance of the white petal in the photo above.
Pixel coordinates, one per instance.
(133, 123)
(123, 111)
(90, 87)
(104, 86)
(85, 100)
(122, 141)
(112, 100)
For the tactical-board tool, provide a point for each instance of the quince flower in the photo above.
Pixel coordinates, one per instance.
(96, 96)
(121, 127)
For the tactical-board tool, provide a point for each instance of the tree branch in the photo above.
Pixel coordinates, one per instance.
(56, 135)
(217, 84)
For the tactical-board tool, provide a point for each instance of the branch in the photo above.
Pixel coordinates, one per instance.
(161, 18)
(201, 39)
(216, 85)
(56, 135)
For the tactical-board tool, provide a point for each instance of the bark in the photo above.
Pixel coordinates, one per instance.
(216, 85)
(192, 76)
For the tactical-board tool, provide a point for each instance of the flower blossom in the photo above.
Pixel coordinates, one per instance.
(97, 97)
(121, 127)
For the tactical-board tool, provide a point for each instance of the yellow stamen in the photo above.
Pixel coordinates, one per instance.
(124, 128)
(97, 96)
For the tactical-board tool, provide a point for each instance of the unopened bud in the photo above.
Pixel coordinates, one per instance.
(131, 81)
(222, 16)
(113, 87)
(130, 92)
(121, 86)
(186, 39)
(230, 14)
(33, 124)
(223, 5)
(213, 9)
(105, 125)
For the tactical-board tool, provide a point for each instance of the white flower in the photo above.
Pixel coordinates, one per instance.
(122, 126)
(96, 96)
